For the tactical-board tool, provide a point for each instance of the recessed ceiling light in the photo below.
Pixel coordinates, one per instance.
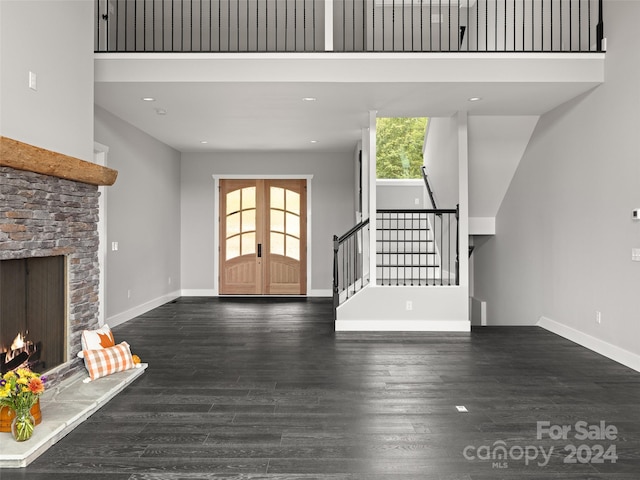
(161, 111)
(475, 99)
(148, 99)
(314, 141)
(309, 99)
(203, 142)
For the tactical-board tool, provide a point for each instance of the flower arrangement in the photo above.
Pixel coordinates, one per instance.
(19, 391)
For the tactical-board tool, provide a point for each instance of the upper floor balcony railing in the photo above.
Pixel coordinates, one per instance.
(349, 26)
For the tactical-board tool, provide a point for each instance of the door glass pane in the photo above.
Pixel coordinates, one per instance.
(293, 248)
(233, 201)
(248, 243)
(248, 197)
(293, 225)
(233, 247)
(293, 202)
(233, 224)
(277, 243)
(277, 221)
(277, 197)
(248, 220)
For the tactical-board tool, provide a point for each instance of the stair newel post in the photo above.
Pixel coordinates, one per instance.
(458, 244)
(600, 28)
(336, 295)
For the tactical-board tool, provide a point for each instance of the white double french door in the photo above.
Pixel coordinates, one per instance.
(263, 240)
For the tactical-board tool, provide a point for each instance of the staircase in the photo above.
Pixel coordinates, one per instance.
(415, 247)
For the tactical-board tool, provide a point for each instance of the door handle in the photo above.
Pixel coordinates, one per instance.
(259, 250)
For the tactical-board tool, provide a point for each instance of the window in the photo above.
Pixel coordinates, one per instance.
(399, 144)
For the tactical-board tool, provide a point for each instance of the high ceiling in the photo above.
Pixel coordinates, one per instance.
(251, 115)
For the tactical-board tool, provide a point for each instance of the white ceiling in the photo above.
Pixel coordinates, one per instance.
(254, 115)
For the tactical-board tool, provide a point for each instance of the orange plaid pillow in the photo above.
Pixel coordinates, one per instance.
(105, 361)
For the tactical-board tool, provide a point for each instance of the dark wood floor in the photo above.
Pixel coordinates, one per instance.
(243, 389)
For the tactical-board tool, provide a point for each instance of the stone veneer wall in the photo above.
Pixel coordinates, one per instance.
(42, 216)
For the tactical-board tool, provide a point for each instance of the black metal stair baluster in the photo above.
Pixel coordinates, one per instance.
(430, 25)
(560, 20)
(523, 25)
(449, 249)
(533, 23)
(353, 24)
(589, 25)
(449, 27)
(441, 252)
(542, 26)
(344, 26)
(117, 45)
(153, 26)
(571, 25)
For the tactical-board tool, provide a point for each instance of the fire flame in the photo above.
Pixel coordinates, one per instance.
(20, 344)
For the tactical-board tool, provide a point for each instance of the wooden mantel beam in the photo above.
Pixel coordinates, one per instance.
(22, 156)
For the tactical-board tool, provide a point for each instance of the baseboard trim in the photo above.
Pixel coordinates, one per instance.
(134, 312)
(402, 326)
(213, 293)
(198, 292)
(318, 292)
(606, 349)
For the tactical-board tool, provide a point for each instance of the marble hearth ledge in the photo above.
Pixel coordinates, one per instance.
(64, 407)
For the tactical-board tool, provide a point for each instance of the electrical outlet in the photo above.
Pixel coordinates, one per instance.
(128, 293)
(635, 254)
(114, 246)
(169, 281)
(598, 317)
(409, 305)
(33, 81)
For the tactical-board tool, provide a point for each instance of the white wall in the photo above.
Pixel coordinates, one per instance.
(564, 232)
(401, 194)
(332, 208)
(53, 39)
(441, 160)
(496, 146)
(385, 309)
(143, 216)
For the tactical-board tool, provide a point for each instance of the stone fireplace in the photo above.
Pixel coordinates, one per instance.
(43, 215)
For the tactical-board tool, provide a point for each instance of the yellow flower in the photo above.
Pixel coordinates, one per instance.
(4, 393)
(22, 381)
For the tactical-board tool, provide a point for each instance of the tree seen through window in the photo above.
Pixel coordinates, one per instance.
(399, 144)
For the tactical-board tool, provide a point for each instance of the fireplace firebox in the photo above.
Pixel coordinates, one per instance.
(32, 313)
